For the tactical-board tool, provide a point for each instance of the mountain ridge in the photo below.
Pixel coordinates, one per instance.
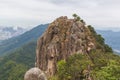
(7, 46)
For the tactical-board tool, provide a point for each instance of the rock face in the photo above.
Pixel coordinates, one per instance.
(35, 74)
(64, 37)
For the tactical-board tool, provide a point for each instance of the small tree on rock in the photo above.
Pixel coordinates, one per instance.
(76, 17)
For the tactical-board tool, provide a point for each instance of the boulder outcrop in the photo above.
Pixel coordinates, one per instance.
(64, 37)
(35, 74)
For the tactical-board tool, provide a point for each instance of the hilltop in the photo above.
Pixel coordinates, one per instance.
(71, 50)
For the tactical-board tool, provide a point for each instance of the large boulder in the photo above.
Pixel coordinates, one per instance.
(35, 74)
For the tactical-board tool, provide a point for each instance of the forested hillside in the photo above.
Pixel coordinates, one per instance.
(14, 65)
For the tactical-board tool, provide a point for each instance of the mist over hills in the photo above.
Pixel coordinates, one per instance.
(9, 32)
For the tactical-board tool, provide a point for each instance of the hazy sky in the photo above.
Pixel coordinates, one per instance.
(99, 13)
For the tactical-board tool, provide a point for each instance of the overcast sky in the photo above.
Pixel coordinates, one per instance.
(29, 13)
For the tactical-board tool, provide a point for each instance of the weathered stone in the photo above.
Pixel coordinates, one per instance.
(64, 37)
(35, 74)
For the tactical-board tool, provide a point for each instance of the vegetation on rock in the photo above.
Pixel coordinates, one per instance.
(80, 67)
(99, 64)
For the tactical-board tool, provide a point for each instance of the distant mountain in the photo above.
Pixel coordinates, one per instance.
(9, 45)
(9, 32)
(112, 38)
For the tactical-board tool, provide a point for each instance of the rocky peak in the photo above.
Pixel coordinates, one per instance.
(64, 37)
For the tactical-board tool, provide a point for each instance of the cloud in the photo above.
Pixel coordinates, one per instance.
(34, 12)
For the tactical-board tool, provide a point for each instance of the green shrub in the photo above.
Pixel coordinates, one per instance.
(73, 67)
(100, 42)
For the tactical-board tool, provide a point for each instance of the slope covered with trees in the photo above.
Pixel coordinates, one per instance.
(19, 54)
(14, 65)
